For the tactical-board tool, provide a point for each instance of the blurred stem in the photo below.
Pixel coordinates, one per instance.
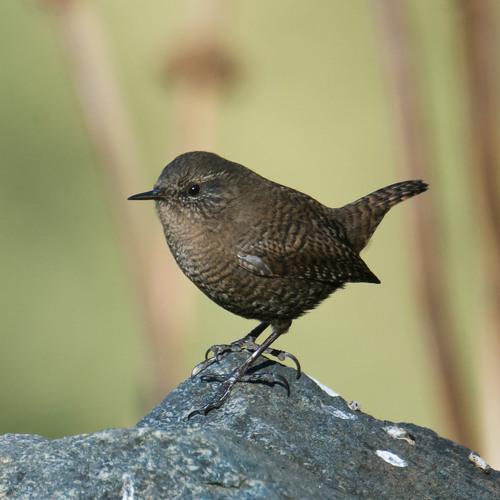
(199, 70)
(479, 31)
(115, 143)
(400, 71)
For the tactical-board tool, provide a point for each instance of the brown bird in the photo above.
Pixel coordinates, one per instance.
(262, 250)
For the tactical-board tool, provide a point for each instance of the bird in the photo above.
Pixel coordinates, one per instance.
(261, 250)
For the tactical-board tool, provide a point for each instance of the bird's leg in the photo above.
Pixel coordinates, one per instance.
(222, 350)
(246, 343)
(239, 374)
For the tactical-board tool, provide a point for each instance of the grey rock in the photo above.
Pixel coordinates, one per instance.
(260, 444)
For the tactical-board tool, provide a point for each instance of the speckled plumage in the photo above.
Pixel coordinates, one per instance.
(259, 249)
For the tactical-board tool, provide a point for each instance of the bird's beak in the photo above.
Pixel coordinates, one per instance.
(148, 195)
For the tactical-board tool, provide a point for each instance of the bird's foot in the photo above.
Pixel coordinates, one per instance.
(227, 384)
(247, 343)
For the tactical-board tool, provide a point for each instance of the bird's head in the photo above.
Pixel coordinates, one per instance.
(198, 186)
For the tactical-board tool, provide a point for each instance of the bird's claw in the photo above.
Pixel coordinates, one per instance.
(202, 366)
(219, 397)
(220, 351)
(282, 355)
(227, 384)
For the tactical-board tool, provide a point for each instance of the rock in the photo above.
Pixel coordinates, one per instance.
(260, 444)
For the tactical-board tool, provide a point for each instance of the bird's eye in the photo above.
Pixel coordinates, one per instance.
(194, 190)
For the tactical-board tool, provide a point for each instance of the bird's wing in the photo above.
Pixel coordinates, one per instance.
(311, 250)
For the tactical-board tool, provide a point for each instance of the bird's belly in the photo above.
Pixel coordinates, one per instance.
(266, 298)
(219, 275)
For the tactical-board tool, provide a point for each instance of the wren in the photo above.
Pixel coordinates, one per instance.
(262, 250)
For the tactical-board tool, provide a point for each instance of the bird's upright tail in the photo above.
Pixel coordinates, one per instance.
(361, 217)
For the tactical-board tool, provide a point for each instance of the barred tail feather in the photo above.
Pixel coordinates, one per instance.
(361, 217)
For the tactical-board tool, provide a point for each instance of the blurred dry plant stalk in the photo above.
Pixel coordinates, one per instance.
(199, 71)
(481, 45)
(400, 68)
(478, 27)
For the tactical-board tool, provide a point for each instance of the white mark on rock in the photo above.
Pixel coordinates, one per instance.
(391, 458)
(398, 433)
(326, 389)
(354, 406)
(161, 434)
(128, 488)
(335, 412)
(479, 462)
(142, 430)
(340, 414)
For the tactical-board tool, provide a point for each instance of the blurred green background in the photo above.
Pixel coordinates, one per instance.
(308, 109)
